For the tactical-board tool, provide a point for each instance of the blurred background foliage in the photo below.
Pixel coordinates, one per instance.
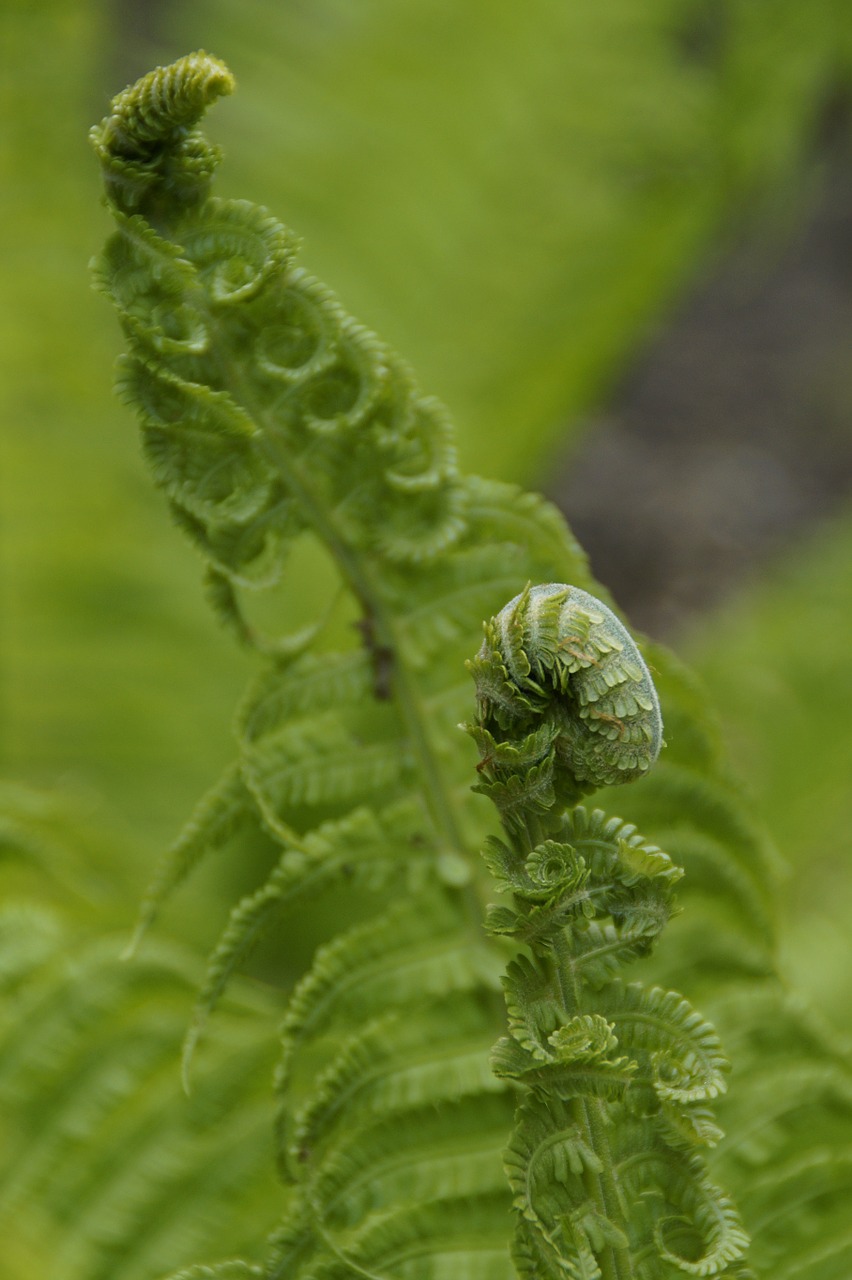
(519, 198)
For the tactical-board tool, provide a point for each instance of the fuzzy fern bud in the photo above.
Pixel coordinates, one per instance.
(565, 703)
(614, 1078)
(155, 160)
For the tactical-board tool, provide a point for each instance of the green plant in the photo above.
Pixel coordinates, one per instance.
(614, 1078)
(275, 424)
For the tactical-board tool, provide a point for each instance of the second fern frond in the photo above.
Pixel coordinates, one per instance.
(614, 1078)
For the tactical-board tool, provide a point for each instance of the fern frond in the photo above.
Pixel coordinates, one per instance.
(388, 1102)
(684, 802)
(29, 936)
(233, 1269)
(149, 147)
(222, 811)
(429, 1153)
(603, 1161)
(123, 1177)
(461, 1239)
(391, 1065)
(789, 1122)
(357, 851)
(411, 953)
(269, 415)
(676, 1050)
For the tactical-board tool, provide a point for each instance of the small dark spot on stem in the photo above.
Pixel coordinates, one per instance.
(381, 655)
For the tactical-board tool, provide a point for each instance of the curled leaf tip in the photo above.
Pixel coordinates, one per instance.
(149, 144)
(161, 102)
(565, 701)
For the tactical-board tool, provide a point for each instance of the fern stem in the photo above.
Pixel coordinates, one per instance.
(353, 568)
(615, 1264)
(591, 1113)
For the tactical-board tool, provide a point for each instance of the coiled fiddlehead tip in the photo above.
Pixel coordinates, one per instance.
(149, 142)
(565, 701)
(614, 1078)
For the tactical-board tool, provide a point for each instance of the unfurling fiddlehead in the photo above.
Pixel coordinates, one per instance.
(245, 369)
(614, 1078)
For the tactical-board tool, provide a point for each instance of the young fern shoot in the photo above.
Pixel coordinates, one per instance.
(614, 1078)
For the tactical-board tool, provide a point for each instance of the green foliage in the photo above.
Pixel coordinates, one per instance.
(511, 196)
(271, 421)
(614, 1078)
(106, 1168)
(269, 418)
(566, 704)
(782, 682)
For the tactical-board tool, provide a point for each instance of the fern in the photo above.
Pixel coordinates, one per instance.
(615, 1079)
(105, 1169)
(270, 419)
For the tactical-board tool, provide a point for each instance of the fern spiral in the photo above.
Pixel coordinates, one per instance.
(325, 418)
(614, 1079)
(558, 672)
